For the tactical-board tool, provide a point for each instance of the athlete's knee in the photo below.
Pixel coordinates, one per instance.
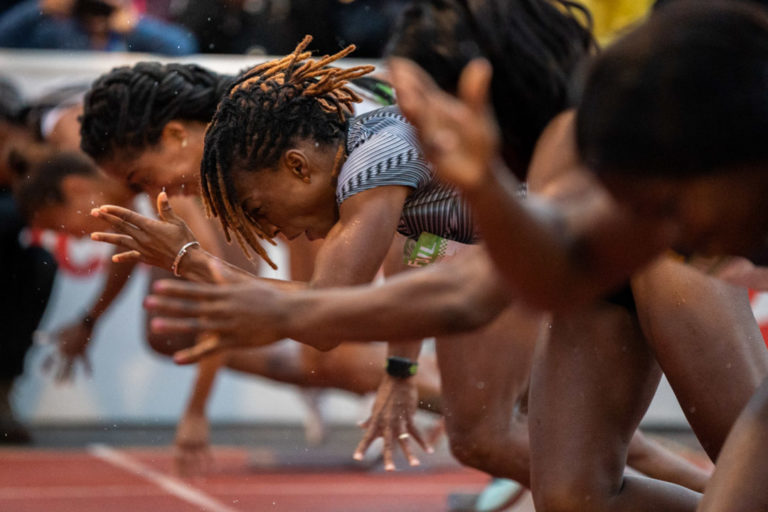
(489, 449)
(469, 448)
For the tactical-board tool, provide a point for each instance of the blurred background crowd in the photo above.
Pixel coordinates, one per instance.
(181, 27)
(257, 27)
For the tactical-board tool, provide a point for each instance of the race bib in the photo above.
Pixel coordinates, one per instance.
(428, 249)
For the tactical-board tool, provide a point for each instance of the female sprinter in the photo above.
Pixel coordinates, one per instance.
(610, 241)
(703, 301)
(155, 141)
(493, 464)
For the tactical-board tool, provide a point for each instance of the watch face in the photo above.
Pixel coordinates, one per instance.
(401, 367)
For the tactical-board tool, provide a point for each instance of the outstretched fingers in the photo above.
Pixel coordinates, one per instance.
(127, 257)
(168, 325)
(414, 87)
(172, 306)
(164, 209)
(402, 439)
(211, 345)
(371, 433)
(414, 432)
(119, 240)
(187, 290)
(121, 218)
(475, 83)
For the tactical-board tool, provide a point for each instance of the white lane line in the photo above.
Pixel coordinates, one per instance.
(68, 491)
(169, 484)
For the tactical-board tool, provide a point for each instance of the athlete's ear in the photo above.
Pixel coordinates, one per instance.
(297, 163)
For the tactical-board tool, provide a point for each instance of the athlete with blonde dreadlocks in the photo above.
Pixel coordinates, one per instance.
(377, 194)
(144, 126)
(282, 155)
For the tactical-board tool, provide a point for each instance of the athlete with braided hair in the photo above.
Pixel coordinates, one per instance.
(378, 192)
(144, 126)
(710, 309)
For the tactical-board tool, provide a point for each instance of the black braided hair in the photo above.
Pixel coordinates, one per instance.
(534, 46)
(127, 108)
(263, 112)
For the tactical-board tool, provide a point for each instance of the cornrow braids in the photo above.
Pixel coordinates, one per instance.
(262, 113)
(127, 108)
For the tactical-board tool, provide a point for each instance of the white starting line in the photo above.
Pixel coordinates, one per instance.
(169, 484)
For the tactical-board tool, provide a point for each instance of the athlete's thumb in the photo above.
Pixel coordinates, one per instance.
(164, 209)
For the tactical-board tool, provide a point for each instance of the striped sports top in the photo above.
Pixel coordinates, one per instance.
(383, 150)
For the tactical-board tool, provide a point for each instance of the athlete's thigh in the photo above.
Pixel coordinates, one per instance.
(592, 381)
(738, 484)
(706, 340)
(485, 372)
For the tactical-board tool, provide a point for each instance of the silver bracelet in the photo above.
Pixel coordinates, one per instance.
(182, 252)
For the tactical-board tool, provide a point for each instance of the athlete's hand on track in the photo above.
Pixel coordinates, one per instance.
(71, 347)
(458, 134)
(241, 315)
(192, 454)
(155, 242)
(392, 420)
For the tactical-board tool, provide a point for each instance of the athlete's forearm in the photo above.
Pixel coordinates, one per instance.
(117, 276)
(546, 251)
(204, 381)
(458, 295)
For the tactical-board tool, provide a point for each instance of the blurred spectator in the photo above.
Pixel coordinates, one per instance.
(7, 4)
(26, 273)
(237, 26)
(106, 25)
(275, 26)
(366, 23)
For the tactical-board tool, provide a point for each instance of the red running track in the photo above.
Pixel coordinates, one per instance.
(109, 479)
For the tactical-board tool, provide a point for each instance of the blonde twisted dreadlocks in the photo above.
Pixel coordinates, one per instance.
(263, 112)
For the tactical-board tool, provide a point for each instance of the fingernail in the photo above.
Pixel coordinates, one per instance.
(180, 359)
(157, 324)
(95, 212)
(430, 449)
(389, 467)
(415, 462)
(357, 456)
(150, 302)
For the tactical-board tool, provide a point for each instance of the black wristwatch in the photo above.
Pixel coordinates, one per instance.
(401, 367)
